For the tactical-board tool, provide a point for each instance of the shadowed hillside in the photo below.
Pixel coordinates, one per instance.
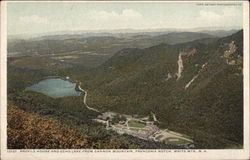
(194, 87)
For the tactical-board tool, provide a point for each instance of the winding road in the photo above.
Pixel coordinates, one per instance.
(84, 99)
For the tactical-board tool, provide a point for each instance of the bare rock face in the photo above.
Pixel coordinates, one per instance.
(231, 50)
(196, 76)
(230, 57)
(180, 67)
(180, 61)
(190, 52)
(169, 76)
(190, 82)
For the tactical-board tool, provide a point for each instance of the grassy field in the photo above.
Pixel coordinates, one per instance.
(180, 141)
(159, 137)
(133, 123)
(135, 129)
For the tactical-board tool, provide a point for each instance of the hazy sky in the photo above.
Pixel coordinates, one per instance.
(39, 17)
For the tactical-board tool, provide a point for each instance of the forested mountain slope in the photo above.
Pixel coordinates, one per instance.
(195, 87)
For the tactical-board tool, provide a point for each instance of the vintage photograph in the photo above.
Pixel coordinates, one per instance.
(125, 75)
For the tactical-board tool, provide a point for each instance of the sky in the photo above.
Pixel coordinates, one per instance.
(42, 17)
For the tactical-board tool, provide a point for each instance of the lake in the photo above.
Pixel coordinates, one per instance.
(55, 87)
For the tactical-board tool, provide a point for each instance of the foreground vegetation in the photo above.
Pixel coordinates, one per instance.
(29, 131)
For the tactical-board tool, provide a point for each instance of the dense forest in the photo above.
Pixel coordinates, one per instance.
(210, 109)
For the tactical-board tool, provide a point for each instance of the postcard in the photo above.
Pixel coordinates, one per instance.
(124, 80)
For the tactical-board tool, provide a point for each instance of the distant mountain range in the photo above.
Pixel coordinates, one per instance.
(122, 32)
(93, 49)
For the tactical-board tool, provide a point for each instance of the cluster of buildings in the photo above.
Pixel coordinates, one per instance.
(142, 133)
(120, 124)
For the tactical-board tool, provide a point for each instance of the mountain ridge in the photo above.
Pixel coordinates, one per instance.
(149, 82)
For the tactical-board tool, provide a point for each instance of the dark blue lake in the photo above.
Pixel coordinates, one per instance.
(55, 87)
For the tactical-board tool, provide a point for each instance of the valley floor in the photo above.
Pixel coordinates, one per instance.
(138, 127)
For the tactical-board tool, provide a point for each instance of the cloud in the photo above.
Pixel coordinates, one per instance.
(103, 19)
(228, 12)
(209, 15)
(131, 13)
(35, 19)
(231, 12)
(129, 17)
(226, 17)
(229, 16)
(113, 16)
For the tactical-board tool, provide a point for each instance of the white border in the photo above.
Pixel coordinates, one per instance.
(182, 154)
(3, 78)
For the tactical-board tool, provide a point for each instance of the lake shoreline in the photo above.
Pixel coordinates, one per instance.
(56, 87)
